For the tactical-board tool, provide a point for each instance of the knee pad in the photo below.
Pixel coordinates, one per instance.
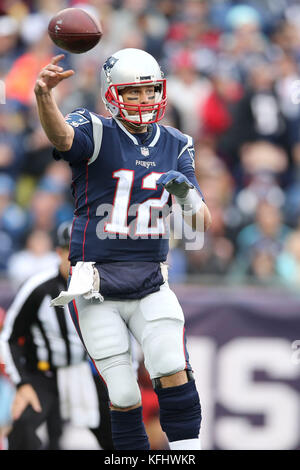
(163, 348)
(121, 382)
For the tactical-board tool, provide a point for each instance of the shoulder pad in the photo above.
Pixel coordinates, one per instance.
(176, 133)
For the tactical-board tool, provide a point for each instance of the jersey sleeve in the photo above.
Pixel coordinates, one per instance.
(186, 163)
(83, 143)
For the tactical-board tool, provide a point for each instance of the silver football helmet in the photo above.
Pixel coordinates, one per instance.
(133, 67)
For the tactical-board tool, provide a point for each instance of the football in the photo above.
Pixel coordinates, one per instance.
(74, 30)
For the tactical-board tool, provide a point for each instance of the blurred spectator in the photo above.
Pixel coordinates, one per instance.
(218, 110)
(7, 393)
(267, 225)
(215, 181)
(288, 263)
(292, 202)
(262, 267)
(37, 256)
(257, 115)
(153, 27)
(27, 66)
(187, 92)
(260, 173)
(12, 134)
(177, 262)
(38, 152)
(216, 255)
(243, 41)
(287, 72)
(13, 221)
(266, 235)
(48, 205)
(191, 27)
(123, 21)
(263, 157)
(9, 30)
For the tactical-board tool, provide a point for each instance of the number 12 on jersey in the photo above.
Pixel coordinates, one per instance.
(143, 212)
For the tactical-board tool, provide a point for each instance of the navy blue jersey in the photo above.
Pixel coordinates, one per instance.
(118, 206)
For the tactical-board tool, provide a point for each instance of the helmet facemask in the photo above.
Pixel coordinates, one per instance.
(155, 111)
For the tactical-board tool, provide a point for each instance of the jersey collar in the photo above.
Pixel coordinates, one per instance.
(156, 135)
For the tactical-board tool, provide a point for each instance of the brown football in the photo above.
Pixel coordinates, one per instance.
(74, 30)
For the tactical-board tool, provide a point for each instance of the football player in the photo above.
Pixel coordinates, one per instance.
(126, 169)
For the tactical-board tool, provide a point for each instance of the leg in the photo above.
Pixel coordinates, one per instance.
(160, 327)
(54, 426)
(103, 431)
(183, 402)
(106, 339)
(128, 431)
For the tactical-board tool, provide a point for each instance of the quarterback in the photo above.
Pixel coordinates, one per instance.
(126, 170)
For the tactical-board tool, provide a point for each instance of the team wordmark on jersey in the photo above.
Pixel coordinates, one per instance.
(145, 164)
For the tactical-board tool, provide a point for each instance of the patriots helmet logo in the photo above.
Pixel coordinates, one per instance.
(108, 65)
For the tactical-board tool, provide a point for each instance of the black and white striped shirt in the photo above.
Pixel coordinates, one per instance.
(37, 336)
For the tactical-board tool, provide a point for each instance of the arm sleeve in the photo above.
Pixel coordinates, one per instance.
(83, 143)
(186, 164)
(18, 321)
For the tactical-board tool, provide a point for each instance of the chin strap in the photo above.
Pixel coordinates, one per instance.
(135, 127)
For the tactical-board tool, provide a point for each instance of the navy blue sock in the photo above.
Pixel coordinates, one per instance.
(128, 431)
(180, 411)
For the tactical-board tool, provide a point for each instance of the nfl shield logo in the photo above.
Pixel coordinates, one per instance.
(145, 151)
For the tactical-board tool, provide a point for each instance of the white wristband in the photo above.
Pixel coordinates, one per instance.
(191, 203)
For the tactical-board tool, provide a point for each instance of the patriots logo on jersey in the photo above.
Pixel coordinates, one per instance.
(76, 119)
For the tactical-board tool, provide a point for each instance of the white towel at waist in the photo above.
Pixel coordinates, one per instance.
(85, 281)
(78, 395)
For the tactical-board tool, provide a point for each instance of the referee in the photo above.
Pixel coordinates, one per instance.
(38, 341)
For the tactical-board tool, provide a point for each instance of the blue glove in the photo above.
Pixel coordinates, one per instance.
(176, 183)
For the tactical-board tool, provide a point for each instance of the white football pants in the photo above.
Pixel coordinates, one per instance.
(156, 322)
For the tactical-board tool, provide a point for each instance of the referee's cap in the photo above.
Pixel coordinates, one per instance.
(63, 235)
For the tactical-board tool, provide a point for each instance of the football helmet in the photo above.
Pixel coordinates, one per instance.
(133, 67)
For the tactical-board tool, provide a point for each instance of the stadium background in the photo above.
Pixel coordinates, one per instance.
(233, 70)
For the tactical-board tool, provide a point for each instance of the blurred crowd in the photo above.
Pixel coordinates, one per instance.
(233, 71)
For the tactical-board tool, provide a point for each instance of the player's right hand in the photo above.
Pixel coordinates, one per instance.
(25, 396)
(51, 75)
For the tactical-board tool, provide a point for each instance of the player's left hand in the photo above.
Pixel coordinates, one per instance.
(176, 183)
